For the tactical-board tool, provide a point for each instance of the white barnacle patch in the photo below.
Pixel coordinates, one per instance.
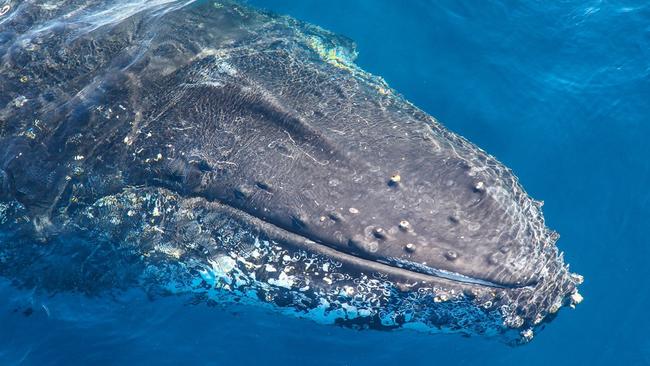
(527, 335)
(169, 251)
(249, 265)
(30, 133)
(348, 290)
(576, 299)
(226, 68)
(308, 263)
(5, 9)
(577, 278)
(441, 298)
(157, 158)
(514, 321)
(270, 268)
(223, 264)
(20, 101)
(555, 307)
(283, 280)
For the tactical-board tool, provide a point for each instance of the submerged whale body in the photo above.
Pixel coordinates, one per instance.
(212, 149)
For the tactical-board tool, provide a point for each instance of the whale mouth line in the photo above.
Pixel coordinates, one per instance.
(397, 269)
(407, 271)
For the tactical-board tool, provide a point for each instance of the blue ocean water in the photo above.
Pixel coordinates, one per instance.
(557, 91)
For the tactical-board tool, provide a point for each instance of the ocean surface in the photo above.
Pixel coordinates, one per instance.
(558, 91)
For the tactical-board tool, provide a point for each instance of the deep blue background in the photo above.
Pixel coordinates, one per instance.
(558, 91)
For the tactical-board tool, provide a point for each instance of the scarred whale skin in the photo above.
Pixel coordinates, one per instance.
(208, 148)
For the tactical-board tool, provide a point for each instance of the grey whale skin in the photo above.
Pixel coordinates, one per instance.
(210, 149)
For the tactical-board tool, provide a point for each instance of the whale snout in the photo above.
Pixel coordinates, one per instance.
(243, 155)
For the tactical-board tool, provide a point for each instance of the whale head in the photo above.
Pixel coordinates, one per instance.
(251, 154)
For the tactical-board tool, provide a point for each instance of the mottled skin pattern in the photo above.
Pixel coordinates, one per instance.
(210, 148)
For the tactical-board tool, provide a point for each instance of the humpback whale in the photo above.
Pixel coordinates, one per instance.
(211, 149)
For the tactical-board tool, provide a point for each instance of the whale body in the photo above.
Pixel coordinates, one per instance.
(207, 148)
